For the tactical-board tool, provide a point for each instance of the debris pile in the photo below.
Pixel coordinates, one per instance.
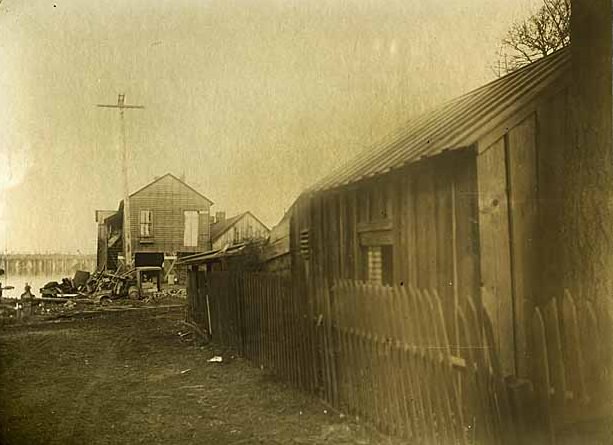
(70, 295)
(166, 294)
(105, 286)
(68, 287)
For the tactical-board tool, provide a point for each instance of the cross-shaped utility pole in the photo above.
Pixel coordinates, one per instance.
(127, 238)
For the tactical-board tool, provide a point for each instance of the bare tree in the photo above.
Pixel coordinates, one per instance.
(539, 35)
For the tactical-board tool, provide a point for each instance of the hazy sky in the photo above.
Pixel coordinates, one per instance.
(252, 100)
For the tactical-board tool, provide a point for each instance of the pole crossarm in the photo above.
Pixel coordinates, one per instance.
(119, 106)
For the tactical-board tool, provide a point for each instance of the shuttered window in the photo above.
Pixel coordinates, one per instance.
(305, 249)
(146, 223)
(190, 235)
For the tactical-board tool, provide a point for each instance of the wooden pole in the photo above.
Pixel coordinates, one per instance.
(127, 237)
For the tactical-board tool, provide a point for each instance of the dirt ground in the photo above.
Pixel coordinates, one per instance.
(130, 377)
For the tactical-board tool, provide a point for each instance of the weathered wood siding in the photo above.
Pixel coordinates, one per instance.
(467, 222)
(168, 198)
(552, 138)
(414, 227)
(495, 248)
(247, 228)
(517, 177)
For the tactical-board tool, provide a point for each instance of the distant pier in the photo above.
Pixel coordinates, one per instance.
(46, 264)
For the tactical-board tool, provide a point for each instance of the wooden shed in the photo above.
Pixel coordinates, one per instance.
(451, 202)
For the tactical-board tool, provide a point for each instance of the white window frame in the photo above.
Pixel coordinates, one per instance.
(145, 223)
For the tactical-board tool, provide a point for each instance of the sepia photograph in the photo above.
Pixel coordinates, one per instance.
(306, 222)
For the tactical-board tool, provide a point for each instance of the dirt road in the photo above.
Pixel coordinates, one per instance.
(131, 378)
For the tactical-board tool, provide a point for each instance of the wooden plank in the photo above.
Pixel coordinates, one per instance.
(354, 236)
(495, 250)
(410, 216)
(426, 231)
(331, 347)
(375, 226)
(467, 230)
(523, 184)
(444, 240)
(376, 239)
(338, 300)
(541, 371)
(344, 259)
(438, 351)
(400, 365)
(454, 258)
(573, 357)
(552, 138)
(451, 405)
(377, 297)
(400, 247)
(365, 387)
(412, 395)
(555, 356)
(422, 339)
(393, 372)
(345, 302)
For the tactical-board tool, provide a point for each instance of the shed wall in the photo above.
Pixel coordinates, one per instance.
(415, 227)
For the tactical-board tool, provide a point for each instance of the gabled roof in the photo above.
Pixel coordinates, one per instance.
(176, 179)
(457, 124)
(222, 227)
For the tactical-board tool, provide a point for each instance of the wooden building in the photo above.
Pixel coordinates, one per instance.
(450, 203)
(167, 217)
(103, 237)
(242, 228)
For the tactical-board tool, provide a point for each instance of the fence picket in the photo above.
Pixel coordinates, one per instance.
(379, 352)
(554, 349)
(541, 371)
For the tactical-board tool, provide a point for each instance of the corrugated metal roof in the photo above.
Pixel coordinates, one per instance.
(456, 124)
(212, 255)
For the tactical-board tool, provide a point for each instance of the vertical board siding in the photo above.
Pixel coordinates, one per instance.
(495, 249)
(445, 238)
(522, 182)
(410, 229)
(552, 136)
(432, 211)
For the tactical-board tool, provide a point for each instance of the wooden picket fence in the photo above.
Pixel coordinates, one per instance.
(571, 361)
(398, 366)
(381, 353)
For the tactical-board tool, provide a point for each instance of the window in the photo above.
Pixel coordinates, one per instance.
(146, 223)
(377, 264)
(304, 244)
(190, 235)
(236, 236)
